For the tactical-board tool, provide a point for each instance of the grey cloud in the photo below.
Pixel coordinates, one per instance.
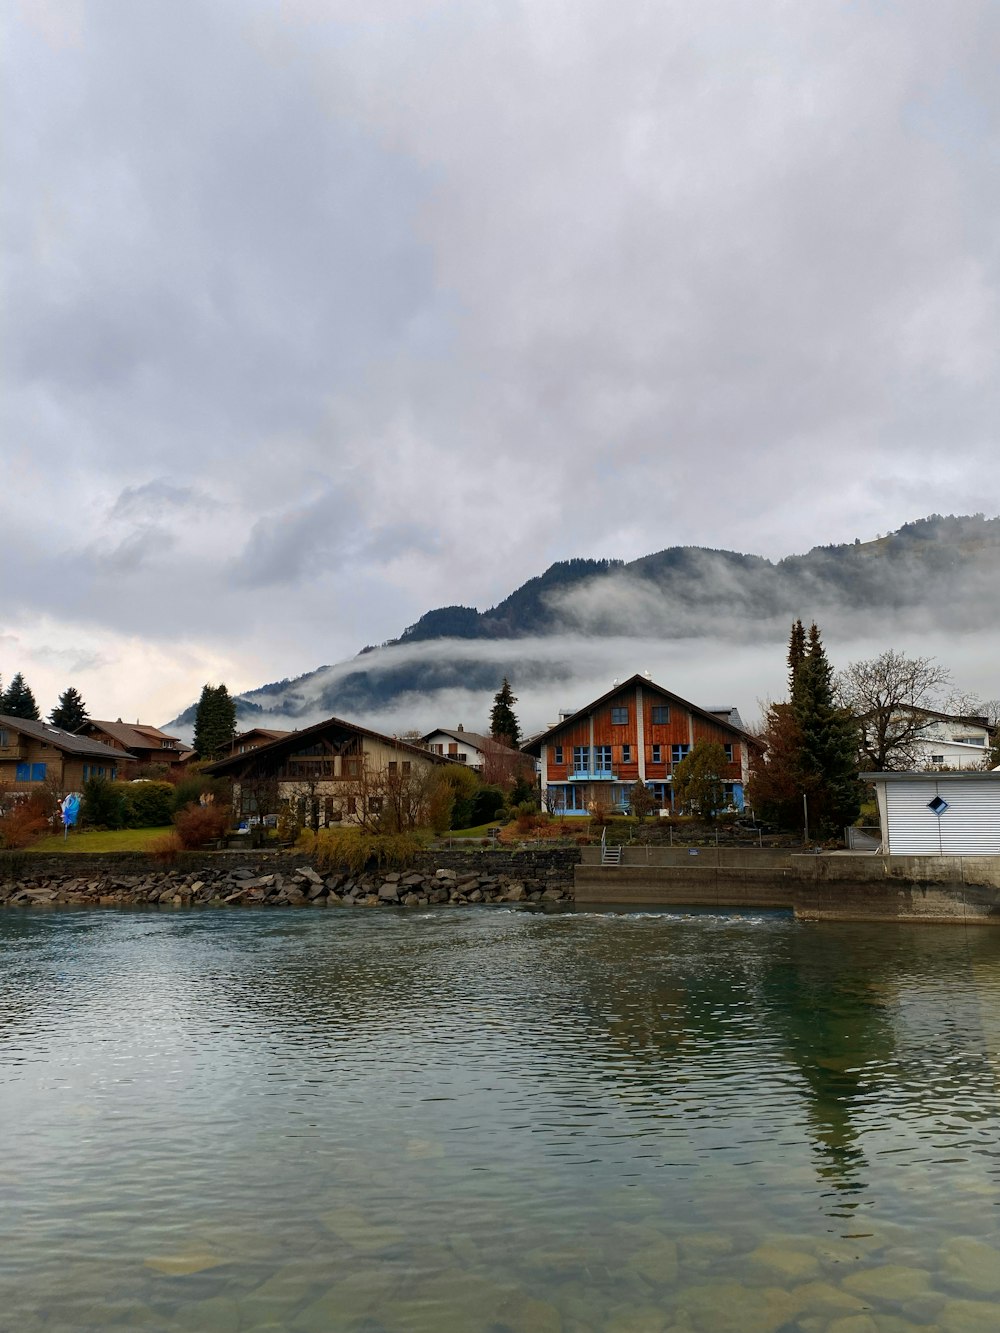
(539, 281)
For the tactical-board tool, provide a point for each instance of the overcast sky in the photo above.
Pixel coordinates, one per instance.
(321, 313)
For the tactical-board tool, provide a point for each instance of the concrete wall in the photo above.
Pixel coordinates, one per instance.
(920, 888)
(775, 858)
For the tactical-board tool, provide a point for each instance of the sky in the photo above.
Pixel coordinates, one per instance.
(322, 313)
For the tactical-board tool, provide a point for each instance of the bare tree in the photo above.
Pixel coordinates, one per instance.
(890, 695)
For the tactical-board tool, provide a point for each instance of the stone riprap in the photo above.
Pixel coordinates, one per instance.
(285, 883)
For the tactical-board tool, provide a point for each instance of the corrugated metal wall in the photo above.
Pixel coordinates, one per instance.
(969, 827)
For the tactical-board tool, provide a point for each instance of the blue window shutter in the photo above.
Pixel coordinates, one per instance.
(22, 773)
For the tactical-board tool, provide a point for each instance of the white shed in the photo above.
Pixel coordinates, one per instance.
(939, 814)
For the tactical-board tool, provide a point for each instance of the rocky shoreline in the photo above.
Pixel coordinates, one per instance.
(301, 886)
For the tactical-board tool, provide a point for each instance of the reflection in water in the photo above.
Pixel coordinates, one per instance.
(495, 1120)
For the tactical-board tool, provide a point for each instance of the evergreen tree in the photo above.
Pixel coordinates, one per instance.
(796, 652)
(19, 701)
(827, 759)
(71, 712)
(504, 726)
(214, 722)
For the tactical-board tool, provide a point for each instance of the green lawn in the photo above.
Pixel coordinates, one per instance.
(119, 840)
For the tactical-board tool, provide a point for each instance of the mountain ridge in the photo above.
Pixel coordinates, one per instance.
(938, 568)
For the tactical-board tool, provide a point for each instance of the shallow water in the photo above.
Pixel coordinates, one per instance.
(495, 1120)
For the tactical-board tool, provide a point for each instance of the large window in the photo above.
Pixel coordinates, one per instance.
(581, 758)
(30, 773)
(661, 714)
(602, 758)
(679, 752)
(619, 717)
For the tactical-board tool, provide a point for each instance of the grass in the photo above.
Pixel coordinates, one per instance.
(96, 840)
(480, 831)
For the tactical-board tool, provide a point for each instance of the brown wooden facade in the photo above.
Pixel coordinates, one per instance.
(637, 732)
(35, 754)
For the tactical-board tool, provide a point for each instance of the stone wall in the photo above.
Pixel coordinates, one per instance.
(246, 878)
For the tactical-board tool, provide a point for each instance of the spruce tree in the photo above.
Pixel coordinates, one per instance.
(71, 712)
(214, 722)
(19, 701)
(828, 742)
(504, 726)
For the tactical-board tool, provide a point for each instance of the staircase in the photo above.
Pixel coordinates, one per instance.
(610, 856)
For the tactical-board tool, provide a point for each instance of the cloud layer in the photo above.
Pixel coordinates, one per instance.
(322, 314)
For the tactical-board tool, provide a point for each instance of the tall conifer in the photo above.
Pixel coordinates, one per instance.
(70, 712)
(18, 701)
(504, 726)
(214, 722)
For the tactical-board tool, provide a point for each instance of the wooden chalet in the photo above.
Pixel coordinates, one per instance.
(327, 770)
(254, 738)
(137, 743)
(637, 732)
(36, 753)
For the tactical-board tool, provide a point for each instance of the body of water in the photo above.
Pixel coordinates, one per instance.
(497, 1121)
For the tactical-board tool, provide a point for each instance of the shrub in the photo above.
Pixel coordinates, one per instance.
(486, 804)
(335, 849)
(191, 789)
(24, 820)
(103, 804)
(148, 804)
(166, 847)
(199, 824)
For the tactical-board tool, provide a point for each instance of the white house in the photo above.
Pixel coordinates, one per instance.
(947, 741)
(939, 814)
(477, 752)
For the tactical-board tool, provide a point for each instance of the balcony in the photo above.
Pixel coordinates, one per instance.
(592, 775)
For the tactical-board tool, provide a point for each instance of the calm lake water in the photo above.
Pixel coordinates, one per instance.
(492, 1120)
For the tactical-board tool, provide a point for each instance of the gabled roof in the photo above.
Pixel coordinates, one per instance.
(472, 738)
(66, 741)
(535, 744)
(269, 733)
(137, 737)
(293, 739)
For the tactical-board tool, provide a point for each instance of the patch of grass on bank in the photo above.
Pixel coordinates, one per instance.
(96, 840)
(479, 831)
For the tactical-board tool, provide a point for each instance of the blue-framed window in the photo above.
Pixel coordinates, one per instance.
(661, 794)
(661, 714)
(619, 717)
(581, 758)
(569, 800)
(657, 755)
(626, 754)
(30, 772)
(679, 752)
(602, 758)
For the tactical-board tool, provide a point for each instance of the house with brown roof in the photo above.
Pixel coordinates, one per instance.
(333, 772)
(36, 753)
(637, 732)
(138, 743)
(253, 739)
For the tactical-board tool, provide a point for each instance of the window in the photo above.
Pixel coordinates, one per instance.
(619, 717)
(602, 758)
(557, 754)
(4, 737)
(626, 754)
(374, 805)
(935, 759)
(679, 752)
(581, 758)
(405, 767)
(393, 766)
(729, 753)
(30, 773)
(661, 714)
(657, 754)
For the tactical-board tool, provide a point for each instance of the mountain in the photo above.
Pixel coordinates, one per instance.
(937, 573)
